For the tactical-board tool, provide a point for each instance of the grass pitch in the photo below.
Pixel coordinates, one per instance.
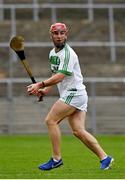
(20, 156)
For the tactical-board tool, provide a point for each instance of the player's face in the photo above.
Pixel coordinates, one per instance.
(59, 38)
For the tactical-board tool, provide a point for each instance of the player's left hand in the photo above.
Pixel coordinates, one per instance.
(32, 89)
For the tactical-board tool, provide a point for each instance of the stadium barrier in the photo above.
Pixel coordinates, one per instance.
(23, 114)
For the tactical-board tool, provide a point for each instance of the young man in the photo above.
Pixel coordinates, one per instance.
(72, 102)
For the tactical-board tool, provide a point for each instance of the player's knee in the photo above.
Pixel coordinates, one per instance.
(50, 121)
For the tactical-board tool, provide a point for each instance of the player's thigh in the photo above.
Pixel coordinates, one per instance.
(77, 120)
(59, 111)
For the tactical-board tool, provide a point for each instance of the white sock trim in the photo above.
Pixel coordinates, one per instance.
(104, 157)
(55, 160)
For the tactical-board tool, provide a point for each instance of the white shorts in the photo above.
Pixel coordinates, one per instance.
(77, 99)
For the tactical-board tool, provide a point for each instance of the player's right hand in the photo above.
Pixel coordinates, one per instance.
(41, 93)
(40, 97)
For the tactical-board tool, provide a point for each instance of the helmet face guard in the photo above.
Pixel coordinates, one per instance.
(58, 27)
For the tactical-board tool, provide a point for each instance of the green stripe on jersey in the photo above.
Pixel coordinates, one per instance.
(69, 98)
(65, 72)
(66, 60)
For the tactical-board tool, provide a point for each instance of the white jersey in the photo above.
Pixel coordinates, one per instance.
(66, 61)
(72, 90)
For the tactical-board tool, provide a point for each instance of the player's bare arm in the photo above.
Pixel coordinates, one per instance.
(53, 80)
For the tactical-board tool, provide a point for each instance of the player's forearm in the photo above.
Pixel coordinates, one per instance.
(55, 79)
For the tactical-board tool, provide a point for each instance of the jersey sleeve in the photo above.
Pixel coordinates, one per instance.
(66, 63)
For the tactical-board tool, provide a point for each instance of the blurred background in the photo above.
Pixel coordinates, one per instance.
(97, 34)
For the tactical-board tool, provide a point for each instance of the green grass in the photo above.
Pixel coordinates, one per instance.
(20, 156)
